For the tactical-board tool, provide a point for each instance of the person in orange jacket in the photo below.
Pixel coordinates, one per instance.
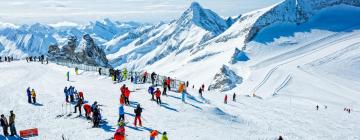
(120, 132)
(87, 109)
(181, 87)
(158, 94)
(127, 95)
(153, 134)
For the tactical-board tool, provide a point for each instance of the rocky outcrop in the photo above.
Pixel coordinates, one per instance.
(225, 80)
(239, 55)
(87, 53)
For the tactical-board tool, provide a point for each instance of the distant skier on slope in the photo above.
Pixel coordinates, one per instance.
(138, 112)
(234, 97)
(28, 93)
(151, 91)
(153, 76)
(77, 70)
(33, 96)
(158, 94)
(164, 87)
(121, 113)
(225, 99)
(68, 76)
(168, 82)
(200, 92)
(145, 76)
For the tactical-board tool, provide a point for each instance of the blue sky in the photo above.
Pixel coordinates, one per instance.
(82, 11)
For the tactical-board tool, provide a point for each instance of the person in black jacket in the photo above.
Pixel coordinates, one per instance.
(12, 123)
(4, 125)
(138, 112)
(79, 105)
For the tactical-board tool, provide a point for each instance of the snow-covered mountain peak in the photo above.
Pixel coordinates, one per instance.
(203, 18)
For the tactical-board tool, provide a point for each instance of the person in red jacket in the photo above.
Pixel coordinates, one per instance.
(127, 95)
(122, 89)
(168, 82)
(153, 134)
(120, 132)
(122, 99)
(81, 95)
(87, 109)
(225, 100)
(158, 94)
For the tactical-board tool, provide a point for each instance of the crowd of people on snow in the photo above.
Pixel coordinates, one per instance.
(6, 58)
(41, 59)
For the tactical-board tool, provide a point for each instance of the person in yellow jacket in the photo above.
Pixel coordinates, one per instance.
(33, 95)
(164, 136)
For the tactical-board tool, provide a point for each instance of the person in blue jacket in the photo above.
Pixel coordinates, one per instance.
(151, 91)
(28, 93)
(121, 113)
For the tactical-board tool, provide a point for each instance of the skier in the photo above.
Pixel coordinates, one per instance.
(280, 138)
(183, 96)
(153, 75)
(78, 105)
(203, 87)
(28, 93)
(153, 134)
(151, 91)
(168, 82)
(33, 95)
(87, 109)
(81, 96)
(181, 87)
(77, 70)
(121, 114)
(12, 123)
(234, 97)
(187, 83)
(145, 76)
(99, 71)
(225, 99)
(158, 94)
(4, 124)
(66, 92)
(122, 89)
(127, 96)
(138, 112)
(164, 136)
(124, 74)
(200, 92)
(96, 116)
(317, 107)
(71, 93)
(122, 99)
(164, 87)
(68, 76)
(120, 132)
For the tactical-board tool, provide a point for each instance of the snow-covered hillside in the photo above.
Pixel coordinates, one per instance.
(28, 40)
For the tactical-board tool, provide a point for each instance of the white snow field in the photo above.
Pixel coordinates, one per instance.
(324, 73)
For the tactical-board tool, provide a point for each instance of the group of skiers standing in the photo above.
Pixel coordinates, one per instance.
(117, 75)
(7, 58)
(39, 59)
(31, 94)
(5, 124)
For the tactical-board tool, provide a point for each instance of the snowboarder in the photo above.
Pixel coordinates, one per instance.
(33, 95)
(78, 105)
(28, 93)
(121, 114)
(225, 99)
(68, 76)
(234, 97)
(138, 112)
(153, 134)
(164, 136)
(87, 109)
(12, 124)
(120, 132)
(127, 96)
(158, 94)
(151, 91)
(4, 124)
